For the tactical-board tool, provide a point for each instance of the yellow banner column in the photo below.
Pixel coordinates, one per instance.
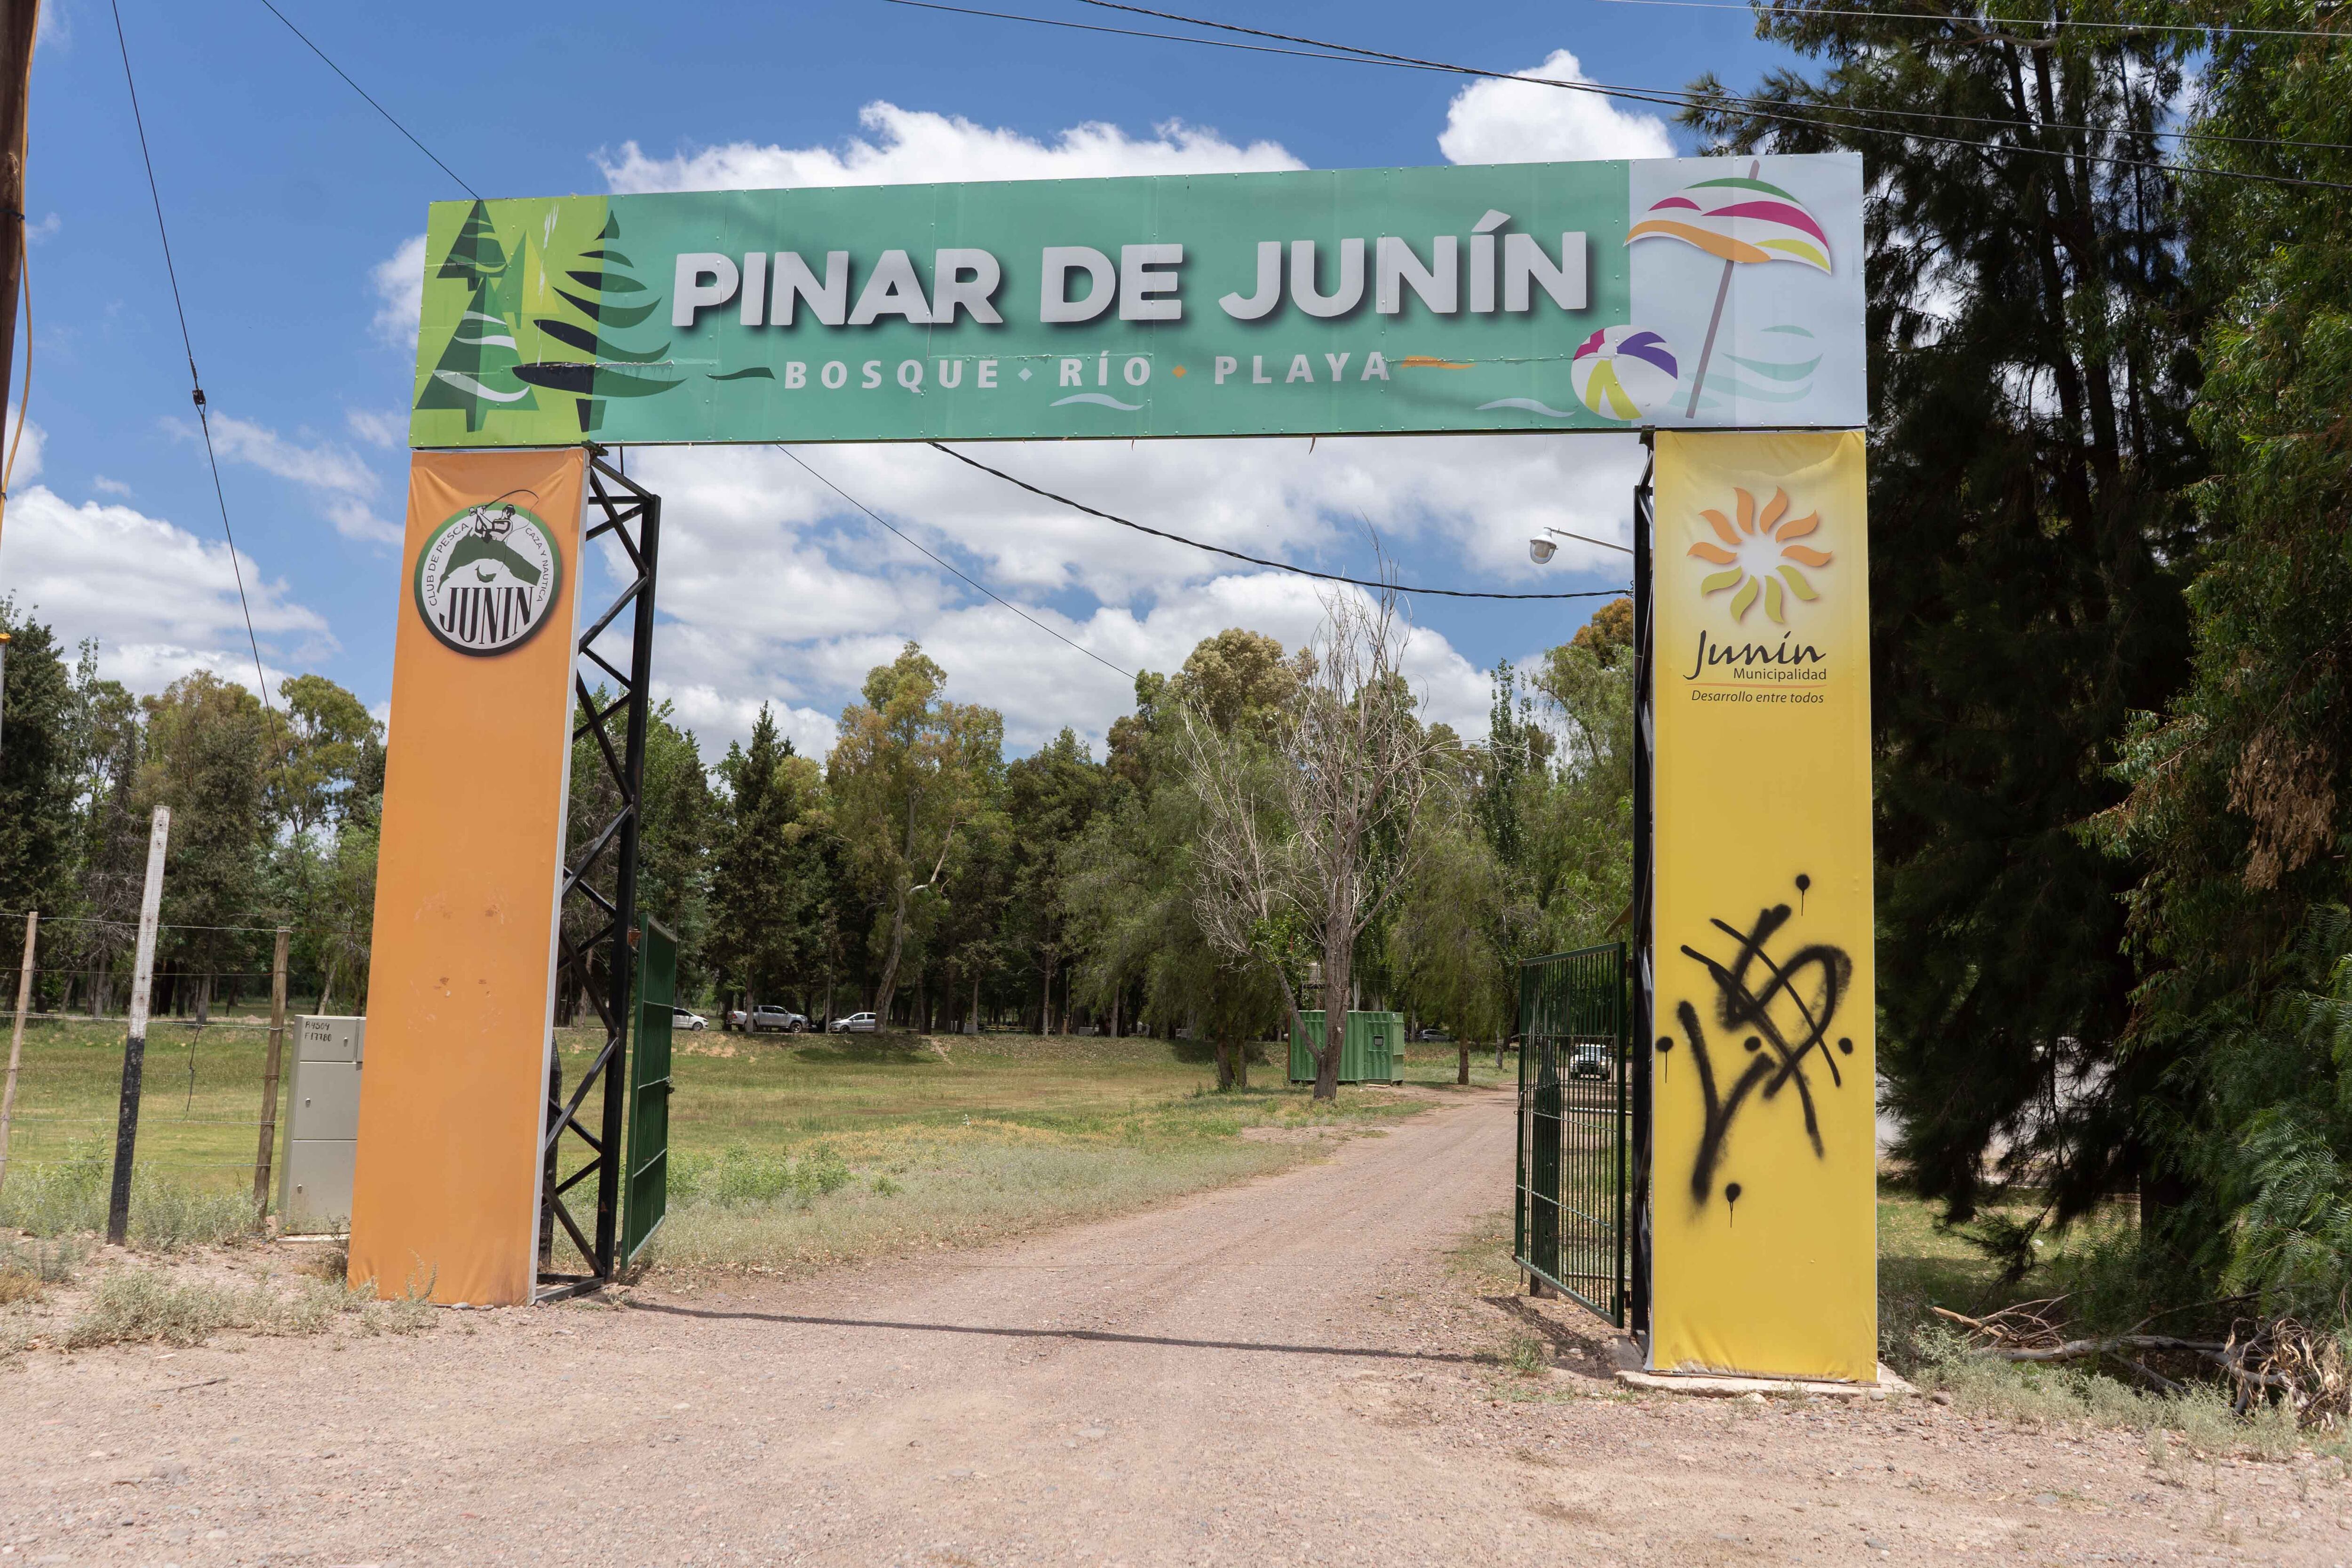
(1765, 1133)
(445, 1194)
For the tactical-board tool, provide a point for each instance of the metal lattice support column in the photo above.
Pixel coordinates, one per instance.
(600, 881)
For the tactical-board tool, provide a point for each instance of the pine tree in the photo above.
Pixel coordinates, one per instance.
(2028, 329)
(771, 871)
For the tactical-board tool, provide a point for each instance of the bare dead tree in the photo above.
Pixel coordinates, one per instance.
(1304, 840)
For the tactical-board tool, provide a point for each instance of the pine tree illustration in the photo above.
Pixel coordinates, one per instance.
(475, 371)
(609, 297)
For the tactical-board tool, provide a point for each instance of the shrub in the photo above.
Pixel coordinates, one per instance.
(137, 1305)
(133, 1306)
(70, 1196)
(28, 1268)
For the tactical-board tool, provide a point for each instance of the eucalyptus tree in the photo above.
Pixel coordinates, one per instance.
(910, 769)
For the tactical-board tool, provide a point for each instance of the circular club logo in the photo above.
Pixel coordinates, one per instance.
(487, 577)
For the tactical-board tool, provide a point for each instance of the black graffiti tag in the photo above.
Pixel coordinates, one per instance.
(1812, 981)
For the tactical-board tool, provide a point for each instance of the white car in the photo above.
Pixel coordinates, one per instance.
(686, 1018)
(855, 1024)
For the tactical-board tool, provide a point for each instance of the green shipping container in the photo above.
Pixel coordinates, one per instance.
(1373, 1051)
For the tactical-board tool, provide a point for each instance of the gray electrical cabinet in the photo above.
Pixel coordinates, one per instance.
(322, 1124)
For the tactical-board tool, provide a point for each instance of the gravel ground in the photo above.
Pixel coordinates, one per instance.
(1285, 1373)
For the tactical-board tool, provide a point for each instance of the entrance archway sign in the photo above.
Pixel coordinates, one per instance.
(1670, 293)
(1708, 298)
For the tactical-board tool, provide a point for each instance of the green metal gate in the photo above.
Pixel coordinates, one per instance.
(645, 1197)
(1576, 1139)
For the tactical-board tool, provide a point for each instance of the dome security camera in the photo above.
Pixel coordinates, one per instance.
(1540, 551)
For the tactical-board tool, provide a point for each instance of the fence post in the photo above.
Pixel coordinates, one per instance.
(135, 1045)
(17, 1040)
(270, 1077)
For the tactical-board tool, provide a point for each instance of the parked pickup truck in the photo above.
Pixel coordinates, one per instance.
(773, 1020)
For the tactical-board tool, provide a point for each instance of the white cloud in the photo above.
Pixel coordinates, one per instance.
(160, 601)
(1496, 122)
(398, 282)
(387, 430)
(36, 232)
(28, 453)
(107, 487)
(916, 146)
(772, 589)
(344, 485)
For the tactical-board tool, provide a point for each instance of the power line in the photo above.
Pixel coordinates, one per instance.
(983, 587)
(379, 108)
(1954, 19)
(1664, 97)
(1656, 97)
(195, 382)
(1259, 559)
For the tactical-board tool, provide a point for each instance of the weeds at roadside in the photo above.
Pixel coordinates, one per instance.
(333, 1262)
(1526, 1355)
(69, 1196)
(148, 1306)
(2196, 1423)
(27, 1269)
(738, 1178)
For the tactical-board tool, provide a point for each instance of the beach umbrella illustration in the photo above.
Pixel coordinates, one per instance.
(1746, 221)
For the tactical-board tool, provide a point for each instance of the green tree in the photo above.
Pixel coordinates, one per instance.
(773, 927)
(326, 741)
(112, 848)
(1462, 925)
(1131, 880)
(336, 926)
(2029, 323)
(322, 793)
(1579, 856)
(1609, 633)
(2233, 830)
(909, 769)
(39, 768)
(1049, 797)
(208, 744)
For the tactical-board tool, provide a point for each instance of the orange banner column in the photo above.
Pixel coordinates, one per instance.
(1765, 1132)
(446, 1195)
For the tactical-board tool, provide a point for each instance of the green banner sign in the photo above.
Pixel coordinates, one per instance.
(1702, 294)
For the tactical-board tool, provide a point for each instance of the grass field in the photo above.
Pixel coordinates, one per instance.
(787, 1151)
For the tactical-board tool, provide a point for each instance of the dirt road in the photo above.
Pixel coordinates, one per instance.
(1281, 1374)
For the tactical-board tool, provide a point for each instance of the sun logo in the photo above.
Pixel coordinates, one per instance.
(1757, 554)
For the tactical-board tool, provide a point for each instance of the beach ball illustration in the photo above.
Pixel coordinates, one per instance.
(1623, 372)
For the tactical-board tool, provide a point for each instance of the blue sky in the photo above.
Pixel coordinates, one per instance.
(290, 203)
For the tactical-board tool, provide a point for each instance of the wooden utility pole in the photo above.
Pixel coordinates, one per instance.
(135, 1045)
(17, 1038)
(19, 20)
(269, 1074)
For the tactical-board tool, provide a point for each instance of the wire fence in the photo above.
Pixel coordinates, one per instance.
(206, 1092)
